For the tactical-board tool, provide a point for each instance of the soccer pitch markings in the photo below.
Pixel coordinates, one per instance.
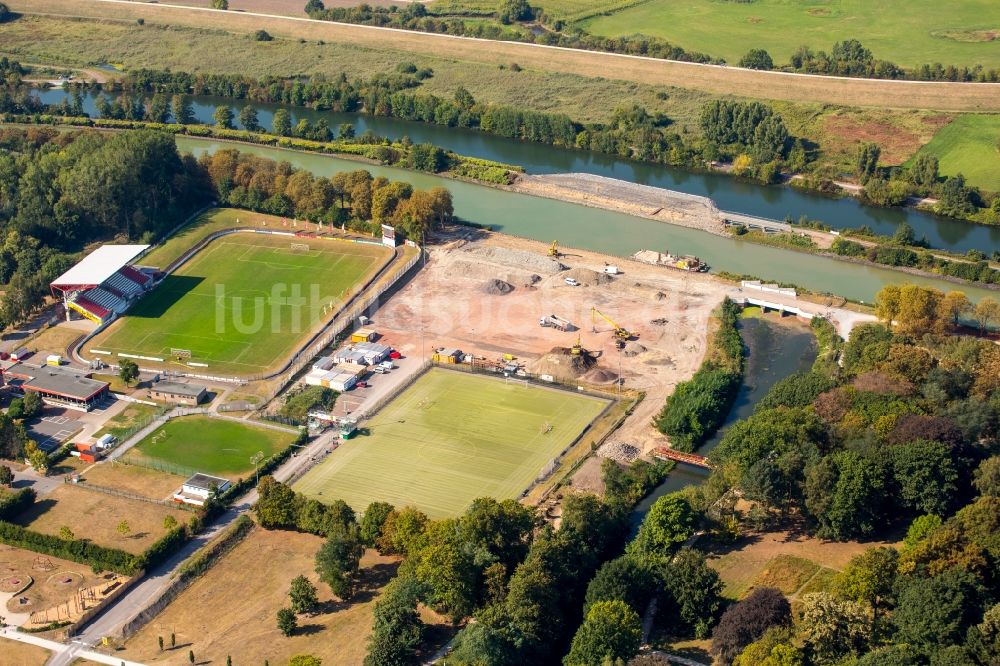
(208, 445)
(450, 438)
(252, 325)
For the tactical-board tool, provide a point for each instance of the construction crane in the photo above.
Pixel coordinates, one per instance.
(554, 249)
(620, 333)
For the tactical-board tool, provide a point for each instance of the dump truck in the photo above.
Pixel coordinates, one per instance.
(556, 322)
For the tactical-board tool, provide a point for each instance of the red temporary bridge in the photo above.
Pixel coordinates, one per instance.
(666, 453)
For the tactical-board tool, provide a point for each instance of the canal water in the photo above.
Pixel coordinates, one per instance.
(610, 232)
(773, 202)
(775, 350)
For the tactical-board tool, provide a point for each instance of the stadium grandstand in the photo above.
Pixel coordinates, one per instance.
(104, 284)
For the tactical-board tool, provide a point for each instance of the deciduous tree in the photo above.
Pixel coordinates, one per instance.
(746, 621)
(611, 631)
(696, 590)
(128, 371)
(337, 560)
(869, 578)
(302, 594)
(287, 622)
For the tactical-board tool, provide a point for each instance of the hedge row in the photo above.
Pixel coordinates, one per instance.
(78, 550)
(14, 503)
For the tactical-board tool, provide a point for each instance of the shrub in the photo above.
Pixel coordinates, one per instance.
(262, 36)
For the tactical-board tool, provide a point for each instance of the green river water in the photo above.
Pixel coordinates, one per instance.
(614, 233)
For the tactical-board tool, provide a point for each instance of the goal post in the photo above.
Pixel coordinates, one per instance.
(180, 353)
(300, 247)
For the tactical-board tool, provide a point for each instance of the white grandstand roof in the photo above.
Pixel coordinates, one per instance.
(99, 265)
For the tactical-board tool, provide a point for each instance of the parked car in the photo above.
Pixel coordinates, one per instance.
(387, 365)
(572, 282)
(395, 355)
(380, 370)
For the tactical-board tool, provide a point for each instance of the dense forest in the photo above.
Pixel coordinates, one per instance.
(60, 191)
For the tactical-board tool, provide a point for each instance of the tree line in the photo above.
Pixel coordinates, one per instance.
(697, 407)
(351, 198)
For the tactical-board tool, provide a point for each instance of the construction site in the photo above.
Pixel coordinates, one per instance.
(511, 305)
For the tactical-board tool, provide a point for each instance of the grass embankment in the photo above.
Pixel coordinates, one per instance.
(584, 98)
(969, 145)
(203, 306)
(958, 33)
(396, 46)
(450, 438)
(209, 445)
(125, 422)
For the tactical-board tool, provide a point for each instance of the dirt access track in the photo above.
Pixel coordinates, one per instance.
(722, 80)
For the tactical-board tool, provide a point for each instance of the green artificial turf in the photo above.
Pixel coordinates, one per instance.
(451, 438)
(214, 446)
(909, 33)
(969, 145)
(244, 302)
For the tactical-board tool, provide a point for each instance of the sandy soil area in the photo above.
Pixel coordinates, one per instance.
(448, 305)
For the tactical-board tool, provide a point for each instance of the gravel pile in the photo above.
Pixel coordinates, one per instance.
(621, 452)
(519, 259)
(497, 287)
(587, 277)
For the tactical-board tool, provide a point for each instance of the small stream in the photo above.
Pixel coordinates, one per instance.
(775, 350)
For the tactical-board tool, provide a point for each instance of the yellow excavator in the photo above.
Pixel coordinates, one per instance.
(554, 249)
(577, 349)
(620, 333)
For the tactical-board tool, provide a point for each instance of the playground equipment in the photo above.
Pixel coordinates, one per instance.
(622, 334)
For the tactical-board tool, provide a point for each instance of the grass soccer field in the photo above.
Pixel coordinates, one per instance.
(451, 438)
(969, 145)
(242, 303)
(210, 445)
(910, 33)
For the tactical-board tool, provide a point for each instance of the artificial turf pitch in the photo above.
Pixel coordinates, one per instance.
(450, 438)
(242, 303)
(214, 446)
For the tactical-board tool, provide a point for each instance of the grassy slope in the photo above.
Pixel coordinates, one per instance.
(449, 439)
(969, 145)
(258, 328)
(210, 445)
(907, 32)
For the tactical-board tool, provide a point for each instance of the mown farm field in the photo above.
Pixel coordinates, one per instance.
(969, 145)
(961, 32)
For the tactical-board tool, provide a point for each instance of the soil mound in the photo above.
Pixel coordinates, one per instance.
(519, 259)
(561, 362)
(587, 277)
(600, 376)
(496, 287)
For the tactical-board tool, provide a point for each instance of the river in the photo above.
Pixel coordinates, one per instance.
(773, 202)
(613, 233)
(775, 350)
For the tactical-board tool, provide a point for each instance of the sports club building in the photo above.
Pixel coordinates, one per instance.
(103, 284)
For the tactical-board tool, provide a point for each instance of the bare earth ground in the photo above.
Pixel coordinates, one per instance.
(96, 516)
(230, 610)
(283, 7)
(16, 653)
(943, 96)
(54, 581)
(445, 306)
(138, 480)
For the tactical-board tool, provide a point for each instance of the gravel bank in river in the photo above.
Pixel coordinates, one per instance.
(653, 203)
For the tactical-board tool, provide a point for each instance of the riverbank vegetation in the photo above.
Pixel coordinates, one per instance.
(900, 434)
(697, 407)
(829, 133)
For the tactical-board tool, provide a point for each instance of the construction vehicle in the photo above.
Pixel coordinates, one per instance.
(620, 333)
(577, 349)
(554, 249)
(556, 322)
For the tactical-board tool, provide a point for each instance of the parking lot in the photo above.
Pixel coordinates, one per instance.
(53, 427)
